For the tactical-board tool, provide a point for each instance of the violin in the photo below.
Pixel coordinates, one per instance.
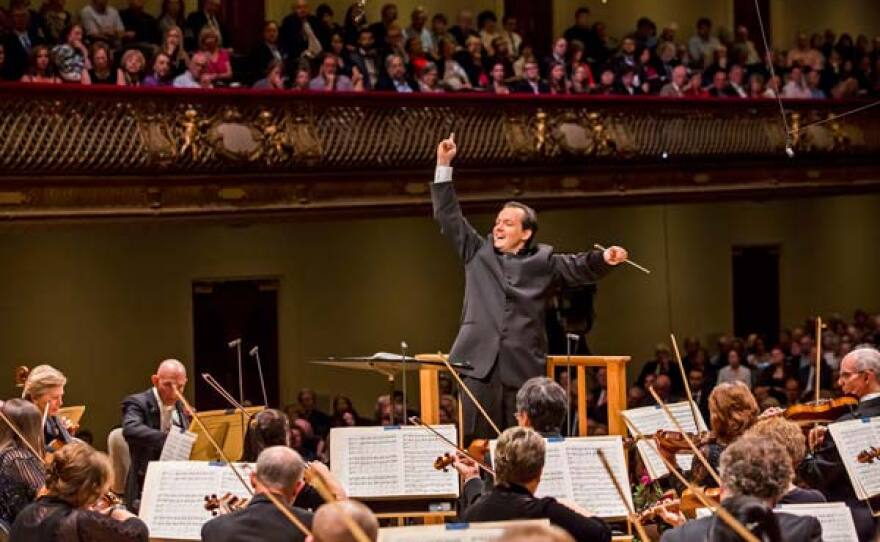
(825, 410)
(477, 449)
(674, 442)
(668, 502)
(690, 502)
(228, 503)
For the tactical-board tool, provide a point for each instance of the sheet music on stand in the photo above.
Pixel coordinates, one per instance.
(573, 471)
(454, 532)
(392, 462)
(835, 518)
(852, 437)
(178, 446)
(173, 502)
(648, 420)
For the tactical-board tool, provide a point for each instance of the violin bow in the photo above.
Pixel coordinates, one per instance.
(687, 385)
(687, 438)
(20, 436)
(278, 504)
(320, 485)
(631, 513)
(415, 420)
(725, 516)
(451, 369)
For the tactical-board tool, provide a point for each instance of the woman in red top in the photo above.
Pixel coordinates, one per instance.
(219, 68)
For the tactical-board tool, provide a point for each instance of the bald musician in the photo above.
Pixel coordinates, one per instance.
(147, 418)
(859, 372)
(508, 281)
(329, 525)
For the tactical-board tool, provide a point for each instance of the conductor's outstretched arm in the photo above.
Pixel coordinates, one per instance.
(447, 211)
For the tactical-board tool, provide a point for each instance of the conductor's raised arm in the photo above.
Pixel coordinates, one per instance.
(447, 211)
(585, 268)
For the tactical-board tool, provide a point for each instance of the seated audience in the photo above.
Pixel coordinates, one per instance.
(162, 76)
(193, 76)
(101, 72)
(429, 80)
(273, 77)
(328, 80)
(207, 17)
(172, 14)
(41, 69)
(498, 84)
(101, 22)
(22, 473)
(55, 21)
(71, 509)
(676, 87)
(131, 69)
(531, 82)
(219, 65)
(395, 78)
(141, 28)
(735, 371)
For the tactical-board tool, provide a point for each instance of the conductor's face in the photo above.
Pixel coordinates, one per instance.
(508, 234)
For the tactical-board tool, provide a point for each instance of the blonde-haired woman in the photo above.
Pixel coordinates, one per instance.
(21, 471)
(44, 387)
(172, 45)
(72, 509)
(219, 65)
(131, 69)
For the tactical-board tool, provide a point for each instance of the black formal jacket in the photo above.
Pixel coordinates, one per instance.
(793, 528)
(505, 295)
(259, 521)
(523, 87)
(516, 502)
(825, 471)
(292, 39)
(141, 427)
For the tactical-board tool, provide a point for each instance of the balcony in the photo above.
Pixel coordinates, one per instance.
(90, 152)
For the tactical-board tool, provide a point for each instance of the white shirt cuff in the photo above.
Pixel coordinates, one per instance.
(443, 174)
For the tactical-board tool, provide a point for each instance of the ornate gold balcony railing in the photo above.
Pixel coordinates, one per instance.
(350, 149)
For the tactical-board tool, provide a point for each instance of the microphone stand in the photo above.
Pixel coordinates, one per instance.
(255, 353)
(403, 348)
(568, 338)
(236, 343)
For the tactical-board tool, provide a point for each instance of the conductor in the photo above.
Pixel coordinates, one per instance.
(508, 279)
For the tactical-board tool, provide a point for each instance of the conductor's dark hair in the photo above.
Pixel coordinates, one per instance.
(530, 217)
(543, 400)
(752, 513)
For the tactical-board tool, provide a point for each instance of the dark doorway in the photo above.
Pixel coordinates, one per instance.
(744, 14)
(534, 22)
(756, 292)
(222, 312)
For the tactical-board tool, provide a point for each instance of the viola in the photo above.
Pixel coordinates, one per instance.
(477, 449)
(826, 410)
(690, 502)
(228, 503)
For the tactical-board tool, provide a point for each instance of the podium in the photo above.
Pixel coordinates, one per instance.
(615, 367)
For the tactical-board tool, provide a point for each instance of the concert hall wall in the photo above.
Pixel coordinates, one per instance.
(105, 301)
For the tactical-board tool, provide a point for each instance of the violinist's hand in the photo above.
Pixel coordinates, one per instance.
(446, 151)
(467, 468)
(770, 412)
(615, 255)
(676, 519)
(816, 436)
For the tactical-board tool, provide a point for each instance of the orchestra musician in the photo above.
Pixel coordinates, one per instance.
(751, 467)
(508, 281)
(519, 463)
(279, 471)
(147, 418)
(72, 509)
(329, 525)
(21, 472)
(44, 387)
(859, 372)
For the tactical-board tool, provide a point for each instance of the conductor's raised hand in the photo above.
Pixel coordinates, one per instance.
(615, 255)
(446, 151)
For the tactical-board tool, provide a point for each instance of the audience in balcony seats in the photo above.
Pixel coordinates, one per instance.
(326, 27)
(395, 43)
(582, 31)
(161, 76)
(558, 55)
(531, 82)
(71, 57)
(172, 14)
(498, 84)
(172, 45)
(301, 79)
(418, 59)
(757, 88)
(344, 65)
(582, 80)
(219, 68)
(703, 44)
(796, 87)
(676, 87)
(429, 79)
(606, 86)
(380, 29)
(736, 83)
(743, 49)
(626, 86)
(454, 76)
(101, 72)
(273, 78)
(814, 80)
(473, 60)
(464, 27)
(298, 35)
(131, 69)
(18, 43)
(720, 88)
(141, 28)
(328, 78)
(527, 53)
(502, 56)
(56, 20)
(487, 23)
(395, 78)
(666, 61)
(193, 77)
(267, 52)
(366, 58)
(40, 67)
(102, 22)
(558, 82)
(208, 16)
(418, 29)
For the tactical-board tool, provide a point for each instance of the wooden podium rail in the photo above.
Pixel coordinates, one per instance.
(429, 385)
(615, 367)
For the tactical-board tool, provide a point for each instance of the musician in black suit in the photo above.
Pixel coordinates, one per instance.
(752, 467)
(507, 282)
(279, 471)
(519, 462)
(147, 418)
(859, 372)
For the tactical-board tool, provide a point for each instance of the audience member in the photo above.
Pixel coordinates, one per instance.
(487, 23)
(172, 45)
(464, 27)
(171, 15)
(266, 53)
(208, 16)
(219, 64)
(298, 37)
(162, 76)
(55, 21)
(102, 67)
(380, 29)
(141, 28)
(101, 22)
(703, 44)
(131, 69)
(531, 82)
(328, 80)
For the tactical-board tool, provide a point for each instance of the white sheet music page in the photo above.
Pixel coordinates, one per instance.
(173, 502)
(835, 518)
(852, 437)
(453, 532)
(381, 462)
(648, 420)
(178, 446)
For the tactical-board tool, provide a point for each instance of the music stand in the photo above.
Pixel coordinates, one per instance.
(227, 427)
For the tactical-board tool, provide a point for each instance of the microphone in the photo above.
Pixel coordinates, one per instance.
(236, 343)
(233, 343)
(403, 345)
(254, 351)
(572, 336)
